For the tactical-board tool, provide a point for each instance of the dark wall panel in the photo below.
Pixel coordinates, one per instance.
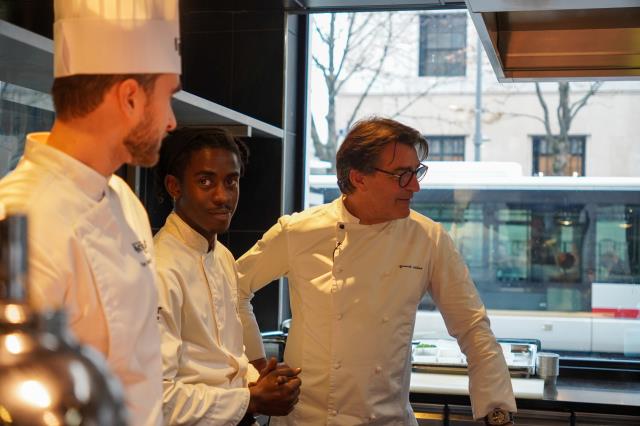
(258, 84)
(233, 54)
(33, 15)
(260, 193)
(206, 68)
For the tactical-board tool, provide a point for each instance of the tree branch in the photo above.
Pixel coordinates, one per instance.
(577, 106)
(356, 68)
(562, 111)
(414, 100)
(519, 114)
(545, 109)
(359, 62)
(318, 64)
(323, 37)
(385, 51)
(318, 146)
(345, 53)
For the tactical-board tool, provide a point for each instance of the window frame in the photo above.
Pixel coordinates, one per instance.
(442, 68)
(537, 155)
(442, 140)
(578, 365)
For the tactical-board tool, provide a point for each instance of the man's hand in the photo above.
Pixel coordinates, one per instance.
(259, 363)
(276, 391)
(283, 370)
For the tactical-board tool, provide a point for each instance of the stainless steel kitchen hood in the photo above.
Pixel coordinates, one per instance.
(560, 39)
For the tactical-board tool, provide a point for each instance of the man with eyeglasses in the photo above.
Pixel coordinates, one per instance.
(358, 268)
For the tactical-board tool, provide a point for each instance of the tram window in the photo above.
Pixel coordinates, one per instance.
(618, 244)
(534, 252)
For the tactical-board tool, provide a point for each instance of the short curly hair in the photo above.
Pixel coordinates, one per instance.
(361, 149)
(178, 146)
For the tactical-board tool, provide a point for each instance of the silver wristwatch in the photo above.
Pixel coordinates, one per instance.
(499, 417)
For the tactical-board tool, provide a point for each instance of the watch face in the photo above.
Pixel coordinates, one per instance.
(498, 417)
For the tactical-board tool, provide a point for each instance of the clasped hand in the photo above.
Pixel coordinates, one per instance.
(277, 390)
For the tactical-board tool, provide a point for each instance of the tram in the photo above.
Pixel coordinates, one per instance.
(553, 258)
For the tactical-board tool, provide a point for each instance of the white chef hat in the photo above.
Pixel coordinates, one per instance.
(116, 37)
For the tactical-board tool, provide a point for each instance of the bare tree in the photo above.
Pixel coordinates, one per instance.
(347, 55)
(356, 47)
(369, 53)
(566, 111)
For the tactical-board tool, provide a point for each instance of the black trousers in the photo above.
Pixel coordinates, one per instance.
(247, 420)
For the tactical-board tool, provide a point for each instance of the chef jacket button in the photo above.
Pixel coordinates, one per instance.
(339, 316)
(386, 274)
(385, 319)
(378, 369)
(336, 365)
(333, 413)
(356, 300)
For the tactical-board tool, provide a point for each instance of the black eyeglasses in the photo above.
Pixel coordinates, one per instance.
(405, 177)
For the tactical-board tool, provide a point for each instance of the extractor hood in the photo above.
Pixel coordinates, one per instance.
(538, 40)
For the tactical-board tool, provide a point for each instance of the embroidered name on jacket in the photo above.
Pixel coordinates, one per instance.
(410, 267)
(141, 247)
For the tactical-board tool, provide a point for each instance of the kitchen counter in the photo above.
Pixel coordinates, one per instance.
(573, 394)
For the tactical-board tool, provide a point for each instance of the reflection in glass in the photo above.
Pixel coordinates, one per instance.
(22, 111)
(540, 248)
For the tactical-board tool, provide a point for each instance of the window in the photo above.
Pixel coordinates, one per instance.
(544, 158)
(22, 111)
(446, 148)
(555, 259)
(443, 42)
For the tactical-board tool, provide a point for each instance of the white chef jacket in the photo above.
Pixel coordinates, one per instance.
(205, 370)
(91, 251)
(354, 294)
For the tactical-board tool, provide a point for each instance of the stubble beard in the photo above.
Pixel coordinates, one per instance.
(143, 143)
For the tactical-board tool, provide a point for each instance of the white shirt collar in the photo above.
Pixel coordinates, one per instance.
(192, 238)
(344, 216)
(84, 177)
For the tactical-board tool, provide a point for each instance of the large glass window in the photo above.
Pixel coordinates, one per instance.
(553, 242)
(21, 111)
